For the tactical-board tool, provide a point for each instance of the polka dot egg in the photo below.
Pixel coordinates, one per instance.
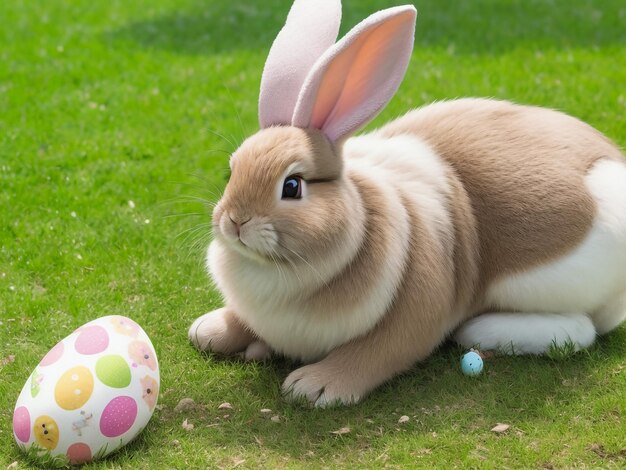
(471, 363)
(91, 394)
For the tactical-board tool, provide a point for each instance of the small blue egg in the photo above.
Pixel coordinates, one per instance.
(471, 364)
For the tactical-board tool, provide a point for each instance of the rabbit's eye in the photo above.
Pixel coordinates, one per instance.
(292, 188)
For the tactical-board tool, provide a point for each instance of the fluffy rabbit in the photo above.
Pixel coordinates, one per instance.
(500, 224)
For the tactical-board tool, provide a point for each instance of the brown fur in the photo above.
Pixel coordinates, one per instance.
(523, 171)
(352, 283)
(416, 323)
(466, 246)
(259, 162)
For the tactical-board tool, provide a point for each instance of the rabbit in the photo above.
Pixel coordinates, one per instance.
(499, 225)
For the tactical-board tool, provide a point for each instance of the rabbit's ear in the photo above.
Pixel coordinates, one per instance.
(354, 80)
(311, 28)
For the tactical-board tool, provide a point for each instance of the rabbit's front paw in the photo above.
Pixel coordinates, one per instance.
(258, 351)
(220, 331)
(322, 385)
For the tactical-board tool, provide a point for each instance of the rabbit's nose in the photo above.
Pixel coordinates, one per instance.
(238, 225)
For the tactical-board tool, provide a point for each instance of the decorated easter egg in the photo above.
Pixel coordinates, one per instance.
(471, 363)
(91, 394)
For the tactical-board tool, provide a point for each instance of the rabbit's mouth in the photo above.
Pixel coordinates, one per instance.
(241, 248)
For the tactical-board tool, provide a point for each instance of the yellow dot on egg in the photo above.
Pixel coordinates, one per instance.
(74, 388)
(45, 432)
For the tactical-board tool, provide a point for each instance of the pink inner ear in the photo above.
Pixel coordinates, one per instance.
(361, 73)
(356, 78)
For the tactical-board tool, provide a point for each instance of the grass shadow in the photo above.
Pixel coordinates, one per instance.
(494, 27)
(206, 29)
(465, 27)
(438, 398)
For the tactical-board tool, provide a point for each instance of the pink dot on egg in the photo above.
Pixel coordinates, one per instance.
(79, 453)
(118, 416)
(91, 340)
(21, 423)
(53, 355)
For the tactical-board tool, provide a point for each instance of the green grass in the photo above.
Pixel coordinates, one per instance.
(106, 102)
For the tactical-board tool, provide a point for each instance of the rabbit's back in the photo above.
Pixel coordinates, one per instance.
(523, 169)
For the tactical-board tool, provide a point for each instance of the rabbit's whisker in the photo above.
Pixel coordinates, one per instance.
(222, 136)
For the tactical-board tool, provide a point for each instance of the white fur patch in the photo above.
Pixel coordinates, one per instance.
(590, 276)
(611, 315)
(526, 333)
(408, 164)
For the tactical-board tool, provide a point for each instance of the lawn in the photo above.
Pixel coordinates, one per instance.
(116, 120)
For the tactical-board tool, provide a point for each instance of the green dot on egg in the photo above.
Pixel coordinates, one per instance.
(35, 379)
(113, 371)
